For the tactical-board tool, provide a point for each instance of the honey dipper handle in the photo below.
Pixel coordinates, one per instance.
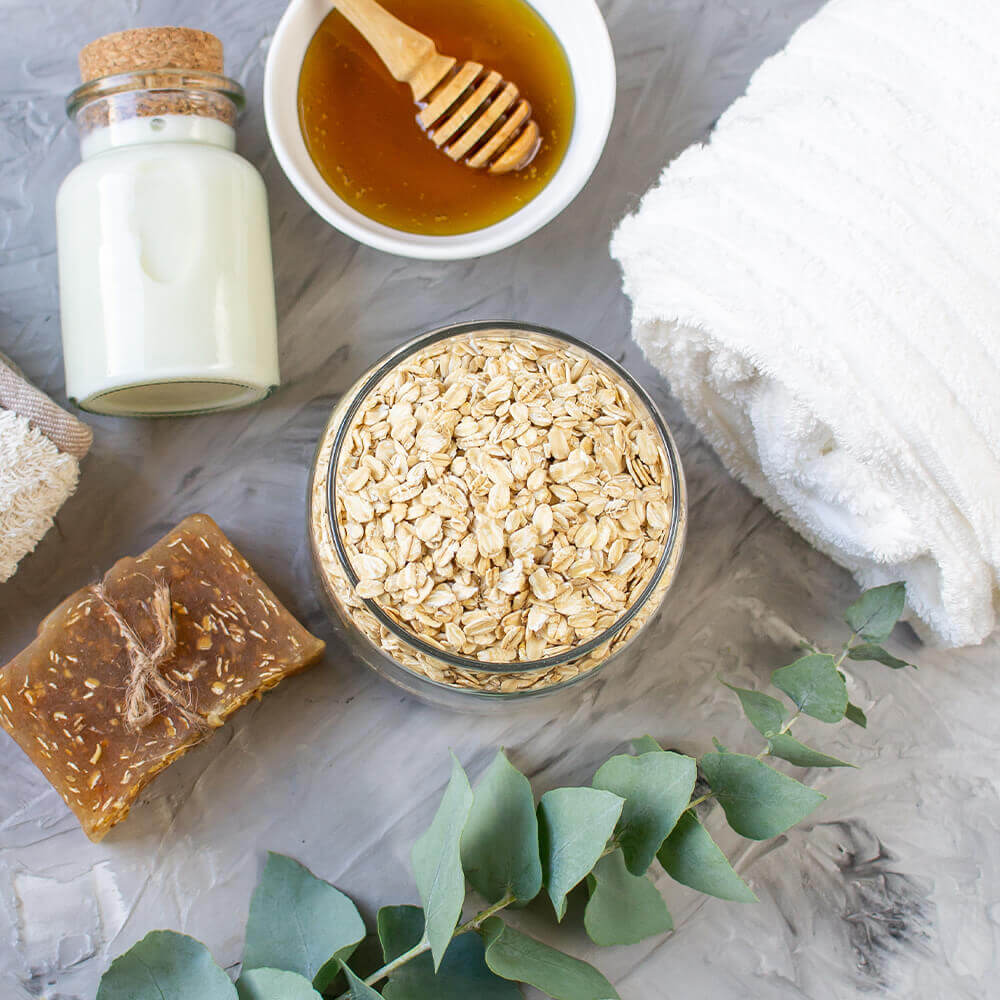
(411, 57)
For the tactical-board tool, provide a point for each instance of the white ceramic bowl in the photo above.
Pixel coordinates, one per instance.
(579, 26)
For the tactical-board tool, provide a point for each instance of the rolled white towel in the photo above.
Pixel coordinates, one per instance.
(819, 283)
(41, 446)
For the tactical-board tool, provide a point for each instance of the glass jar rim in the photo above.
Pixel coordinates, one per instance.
(396, 357)
(154, 80)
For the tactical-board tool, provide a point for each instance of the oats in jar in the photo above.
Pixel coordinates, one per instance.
(504, 498)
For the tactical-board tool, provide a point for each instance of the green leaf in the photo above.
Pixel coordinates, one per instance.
(623, 908)
(574, 827)
(788, 748)
(437, 862)
(500, 842)
(274, 984)
(759, 801)
(463, 974)
(692, 858)
(299, 923)
(874, 615)
(165, 966)
(718, 746)
(871, 651)
(656, 788)
(815, 685)
(645, 744)
(514, 955)
(357, 989)
(400, 928)
(855, 715)
(766, 714)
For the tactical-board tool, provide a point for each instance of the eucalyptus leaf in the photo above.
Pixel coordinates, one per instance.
(623, 908)
(299, 923)
(574, 827)
(759, 801)
(872, 651)
(855, 715)
(166, 966)
(692, 858)
(656, 788)
(766, 714)
(645, 744)
(463, 974)
(815, 685)
(357, 989)
(437, 862)
(874, 615)
(400, 928)
(274, 984)
(788, 748)
(515, 956)
(500, 842)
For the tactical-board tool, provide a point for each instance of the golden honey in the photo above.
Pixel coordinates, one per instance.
(361, 130)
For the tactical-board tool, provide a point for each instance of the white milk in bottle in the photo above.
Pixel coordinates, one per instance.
(166, 285)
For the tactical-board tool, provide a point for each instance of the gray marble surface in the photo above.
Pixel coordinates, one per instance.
(890, 889)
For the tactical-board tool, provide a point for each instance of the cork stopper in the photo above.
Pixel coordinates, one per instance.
(151, 49)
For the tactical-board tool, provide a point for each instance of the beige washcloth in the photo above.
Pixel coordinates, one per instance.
(41, 446)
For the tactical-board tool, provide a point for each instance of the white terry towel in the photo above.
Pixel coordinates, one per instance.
(41, 446)
(820, 283)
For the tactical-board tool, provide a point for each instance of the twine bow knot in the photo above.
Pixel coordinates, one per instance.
(147, 688)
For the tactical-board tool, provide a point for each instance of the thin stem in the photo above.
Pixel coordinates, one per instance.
(698, 801)
(846, 649)
(781, 732)
(480, 918)
(788, 725)
(418, 949)
(423, 945)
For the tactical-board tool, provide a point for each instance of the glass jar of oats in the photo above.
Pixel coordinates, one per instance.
(496, 511)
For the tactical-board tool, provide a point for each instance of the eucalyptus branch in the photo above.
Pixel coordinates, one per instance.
(599, 839)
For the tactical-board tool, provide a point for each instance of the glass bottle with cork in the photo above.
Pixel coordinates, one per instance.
(165, 275)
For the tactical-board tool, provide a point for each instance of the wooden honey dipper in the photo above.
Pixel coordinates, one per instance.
(470, 113)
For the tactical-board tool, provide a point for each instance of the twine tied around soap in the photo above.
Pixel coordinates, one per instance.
(147, 686)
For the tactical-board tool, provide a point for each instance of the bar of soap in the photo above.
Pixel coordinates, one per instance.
(126, 676)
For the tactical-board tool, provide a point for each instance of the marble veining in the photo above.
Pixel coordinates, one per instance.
(892, 887)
